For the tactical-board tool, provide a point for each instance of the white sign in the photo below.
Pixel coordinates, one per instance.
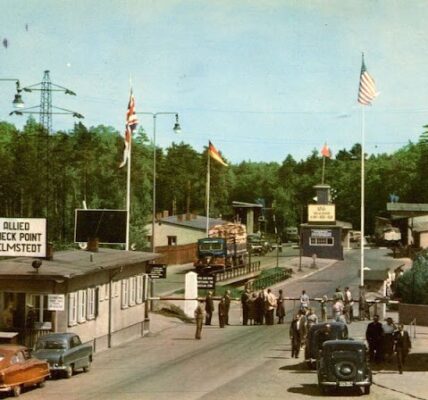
(321, 233)
(24, 237)
(56, 302)
(321, 213)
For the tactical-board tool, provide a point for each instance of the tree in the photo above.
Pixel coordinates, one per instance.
(412, 286)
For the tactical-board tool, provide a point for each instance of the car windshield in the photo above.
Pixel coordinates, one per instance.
(51, 344)
(345, 354)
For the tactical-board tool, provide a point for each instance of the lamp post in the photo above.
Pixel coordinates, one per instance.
(17, 101)
(176, 129)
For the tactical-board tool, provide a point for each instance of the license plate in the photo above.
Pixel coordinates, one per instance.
(346, 384)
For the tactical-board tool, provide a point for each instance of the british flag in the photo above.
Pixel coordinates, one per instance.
(130, 126)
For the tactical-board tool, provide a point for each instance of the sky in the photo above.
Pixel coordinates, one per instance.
(260, 79)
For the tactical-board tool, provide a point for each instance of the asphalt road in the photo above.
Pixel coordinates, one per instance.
(236, 362)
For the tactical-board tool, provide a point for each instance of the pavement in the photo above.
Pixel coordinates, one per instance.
(412, 383)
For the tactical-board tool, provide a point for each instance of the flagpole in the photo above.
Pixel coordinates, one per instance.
(208, 190)
(323, 169)
(128, 196)
(362, 197)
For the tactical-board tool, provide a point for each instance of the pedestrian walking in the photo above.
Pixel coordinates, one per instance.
(199, 318)
(245, 298)
(295, 336)
(304, 300)
(388, 339)
(374, 334)
(209, 307)
(280, 309)
(402, 346)
(323, 305)
(270, 304)
(222, 312)
(227, 300)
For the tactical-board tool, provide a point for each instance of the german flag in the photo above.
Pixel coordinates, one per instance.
(214, 154)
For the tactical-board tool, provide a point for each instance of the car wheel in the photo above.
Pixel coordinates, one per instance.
(69, 372)
(366, 389)
(16, 391)
(87, 368)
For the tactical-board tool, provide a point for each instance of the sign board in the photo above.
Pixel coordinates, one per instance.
(157, 271)
(321, 233)
(56, 302)
(108, 226)
(24, 237)
(206, 282)
(321, 213)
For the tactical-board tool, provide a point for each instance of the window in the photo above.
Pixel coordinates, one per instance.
(106, 291)
(321, 241)
(72, 309)
(81, 306)
(145, 287)
(132, 291)
(139, 296)
(125, 293)
(116, 289)
(90, 312)
(172, 240)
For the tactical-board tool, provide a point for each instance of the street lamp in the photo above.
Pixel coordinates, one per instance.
(17, 101)
(176, 129)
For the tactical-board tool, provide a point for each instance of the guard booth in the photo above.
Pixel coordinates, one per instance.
(321, 236)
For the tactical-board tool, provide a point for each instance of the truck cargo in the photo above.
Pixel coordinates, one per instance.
(225, 247)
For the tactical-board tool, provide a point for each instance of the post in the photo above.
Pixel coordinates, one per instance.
(154, 185)
(362, 200)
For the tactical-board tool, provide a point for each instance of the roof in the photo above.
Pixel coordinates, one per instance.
(241, 204)
(407, 209)
(198, 222)
(343, 344)
(72, 263)
(419, 224)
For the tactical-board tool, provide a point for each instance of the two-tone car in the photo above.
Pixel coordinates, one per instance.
(19, 370)
(64, 352)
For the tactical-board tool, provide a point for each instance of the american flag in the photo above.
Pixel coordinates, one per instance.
(130, 126)
(367, 91)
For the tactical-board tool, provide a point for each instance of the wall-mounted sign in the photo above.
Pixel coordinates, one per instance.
(24, 237)
(157, 271)
(206, 282)
(321, 213)
(321, 233)
(56, 302)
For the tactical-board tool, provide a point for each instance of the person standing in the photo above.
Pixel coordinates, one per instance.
(280, 309)
(227, 300)
(270, 303)
(323, 304)
(338, 311)
(295, 336)
(304, 300)
(311, 319)
(338, 295)
(349, 305)
(199, 318)
(374, 334)
(222, 312)
(245, 299)
(260, 308)
(209, 307)
(402, 346)
(252, 318)
(388, 339)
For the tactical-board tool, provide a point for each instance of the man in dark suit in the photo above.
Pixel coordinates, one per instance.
(227, 300)
(402, 346)
(245, 298)
(295, 336)
(209, 307)
(374, 333)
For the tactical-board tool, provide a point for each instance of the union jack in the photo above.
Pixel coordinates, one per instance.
(130, 126)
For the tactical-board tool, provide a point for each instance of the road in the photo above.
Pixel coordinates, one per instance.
(236, 362)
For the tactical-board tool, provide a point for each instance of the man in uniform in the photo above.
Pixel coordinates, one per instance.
(209, 307)
(199, 318)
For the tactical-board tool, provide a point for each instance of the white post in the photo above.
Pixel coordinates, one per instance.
(190, 292)
(128, 196)
(208, 191)
(362, 198)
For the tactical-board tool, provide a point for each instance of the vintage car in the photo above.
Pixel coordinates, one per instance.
(344, 363)
(19, 370)
(318, 334)
(64, 352)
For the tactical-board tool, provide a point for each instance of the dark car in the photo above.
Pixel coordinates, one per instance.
(344, 363)
(19, 370)
(64, 352)
(318, 334)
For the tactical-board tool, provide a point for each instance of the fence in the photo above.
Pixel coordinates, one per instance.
(234, 272)
(279, 275)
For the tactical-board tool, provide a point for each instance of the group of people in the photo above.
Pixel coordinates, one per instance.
(386, 339)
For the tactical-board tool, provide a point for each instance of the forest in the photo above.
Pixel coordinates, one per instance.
(50, 176)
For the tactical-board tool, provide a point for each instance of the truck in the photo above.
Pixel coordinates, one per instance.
(225, 247)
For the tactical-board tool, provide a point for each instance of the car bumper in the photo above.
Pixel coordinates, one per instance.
(344, 383)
